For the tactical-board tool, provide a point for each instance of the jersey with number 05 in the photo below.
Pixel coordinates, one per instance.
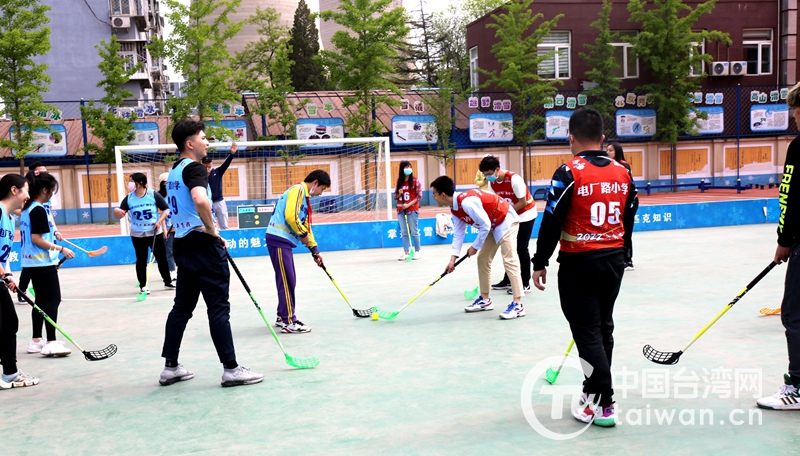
(181, 205)
(599, 194)
(34, 256)
(6, 235)
(142, 211)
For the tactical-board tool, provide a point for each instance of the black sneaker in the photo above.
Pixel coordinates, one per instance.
(629, 266)
(525, 288)
(501, 285)
(169, 285)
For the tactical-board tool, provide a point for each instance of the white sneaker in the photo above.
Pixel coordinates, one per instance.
(55, 349)
(172, 375)
(240, 376)
(479, 305)
(296, 328)
(403, 257)
(786, 398)
(36, 347)
(525, 289)
(144, 290)
(514, 310)
(18, 380)
(279, 323)
(416, 256)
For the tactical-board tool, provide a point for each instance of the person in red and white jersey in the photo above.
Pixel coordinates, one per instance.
(497, 226)
(588, 212)
(511, 187)
(407, 193)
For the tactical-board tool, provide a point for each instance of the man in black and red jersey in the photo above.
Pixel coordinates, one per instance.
(497, 227)
(588, 211)
(511, 187)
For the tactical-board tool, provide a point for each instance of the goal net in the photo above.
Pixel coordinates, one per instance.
(261, 171)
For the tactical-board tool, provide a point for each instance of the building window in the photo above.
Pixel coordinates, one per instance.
(628, 63)
(557, 66)
(757, 50)
(473, 67)
(698, 49)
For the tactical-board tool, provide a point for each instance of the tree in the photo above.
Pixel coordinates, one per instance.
(197, 51)
(307, 73)
(517, 52)
(23, 36)
(257, 60)
(106, 126)
(360, 63)
(603, 66)
(440, 103)
(668, 45)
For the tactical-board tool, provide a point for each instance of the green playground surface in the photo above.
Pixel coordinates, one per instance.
(434, 381)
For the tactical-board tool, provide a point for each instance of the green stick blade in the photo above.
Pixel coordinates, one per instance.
(141, 296)
(551, 375)
(384, 315)
(471, 294)
(302, 363)
(410, 255)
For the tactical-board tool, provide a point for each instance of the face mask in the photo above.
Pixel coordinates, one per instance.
(408, 171)
(131, 186)
(491, 178)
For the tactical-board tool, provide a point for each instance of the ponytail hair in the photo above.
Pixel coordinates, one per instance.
(38, 183)
(8, 181)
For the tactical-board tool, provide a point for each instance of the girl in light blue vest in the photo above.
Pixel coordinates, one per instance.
(142, 205)
(39, 255)
(13, 194)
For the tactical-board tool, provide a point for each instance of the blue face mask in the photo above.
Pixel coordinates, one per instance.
(408, 171)
(491, 178)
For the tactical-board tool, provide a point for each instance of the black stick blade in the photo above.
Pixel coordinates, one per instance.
(362, 313)
(100, 355)
(661, 357)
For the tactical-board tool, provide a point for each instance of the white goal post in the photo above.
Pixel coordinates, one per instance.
(360, 168)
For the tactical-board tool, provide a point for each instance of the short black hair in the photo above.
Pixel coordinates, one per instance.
(489, 163)
(443, 184)
(35, 165)
(184, 129)
(586, 125)
(139, 178)
(321, 176)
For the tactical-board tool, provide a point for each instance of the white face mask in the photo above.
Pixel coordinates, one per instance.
(131, 186)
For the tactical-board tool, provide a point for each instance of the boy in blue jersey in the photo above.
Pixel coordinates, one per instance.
(202, 263)
(290, 226)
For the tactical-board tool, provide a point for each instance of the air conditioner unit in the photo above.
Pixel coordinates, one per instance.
(121, 22)
(719, 68)
(738, 68)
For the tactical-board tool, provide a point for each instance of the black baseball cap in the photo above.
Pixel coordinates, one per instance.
(207, 159)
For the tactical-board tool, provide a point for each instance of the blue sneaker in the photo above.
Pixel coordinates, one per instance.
(480, 305)
(513, 311)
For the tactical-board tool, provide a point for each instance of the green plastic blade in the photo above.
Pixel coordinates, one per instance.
(141, 296)
(551, 375)
(302, 363)
(410, 255)
(470, 294)
(31, 292)
(384, 315)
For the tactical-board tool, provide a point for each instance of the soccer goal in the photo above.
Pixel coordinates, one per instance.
(262, 170)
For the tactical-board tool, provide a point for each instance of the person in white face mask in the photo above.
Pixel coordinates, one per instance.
(141, 206)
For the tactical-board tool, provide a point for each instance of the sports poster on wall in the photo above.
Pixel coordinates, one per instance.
(715, 124)
(413, 130)
(316, 128)
(557, 124)
(636, 122)
(771, 117)
(48, 143)
(146, 134)
(491, 127)
(237, 127)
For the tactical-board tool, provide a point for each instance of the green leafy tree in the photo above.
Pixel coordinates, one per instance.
(360, 62)
(439, 103)
(668, 46)
(24, 35)
(307, 73)
(603, 66)
(517, 52)
(257, 60)
(197, 50)
(110, 129)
